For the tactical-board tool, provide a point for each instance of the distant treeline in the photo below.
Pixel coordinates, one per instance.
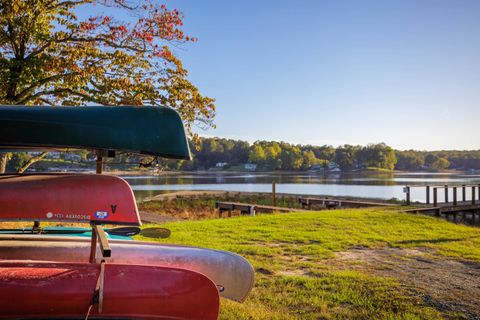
(271, 155)
(227, 154)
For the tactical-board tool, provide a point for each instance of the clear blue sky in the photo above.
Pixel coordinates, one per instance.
(404, 72)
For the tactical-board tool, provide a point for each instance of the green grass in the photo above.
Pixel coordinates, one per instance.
(278, 245)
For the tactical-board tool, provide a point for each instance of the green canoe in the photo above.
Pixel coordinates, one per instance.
(156, 131)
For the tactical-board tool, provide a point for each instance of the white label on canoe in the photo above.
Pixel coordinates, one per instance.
(101, 214)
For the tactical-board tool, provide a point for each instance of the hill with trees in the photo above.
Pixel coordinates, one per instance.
(272, 155)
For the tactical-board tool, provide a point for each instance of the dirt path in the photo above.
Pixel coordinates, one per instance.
(446, 284)
(150, 217)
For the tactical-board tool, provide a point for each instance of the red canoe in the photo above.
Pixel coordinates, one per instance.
(68, 198)
(39, 290)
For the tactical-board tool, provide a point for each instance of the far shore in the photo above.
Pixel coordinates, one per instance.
(217, 172)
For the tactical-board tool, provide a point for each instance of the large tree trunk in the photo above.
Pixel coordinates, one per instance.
(31, 161)
(3, 162)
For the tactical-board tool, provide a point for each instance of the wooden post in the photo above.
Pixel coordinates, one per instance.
(473, 194)
(274, 200)
(435, 202)
(479, 192)
(454, 196)
(103, 241)
(93, 246)
(428, 194)
(98, 234)
(407, 190)
(446, 194)
(99, 164)
(464, 193)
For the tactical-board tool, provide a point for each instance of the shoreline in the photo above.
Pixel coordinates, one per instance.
(226, 172)
(195, 194)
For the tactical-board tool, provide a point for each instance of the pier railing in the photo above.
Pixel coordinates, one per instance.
(432, 194)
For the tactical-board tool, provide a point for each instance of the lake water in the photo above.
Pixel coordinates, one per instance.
(367, 185)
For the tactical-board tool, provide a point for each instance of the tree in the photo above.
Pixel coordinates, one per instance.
(410, 160)
(18, 160)
(49, 56)
(309, 159)
(272, 153)
(240, 152)
(325, 153)
(378, 156)
(430, 159)
(346, 156)
(440, 164)
(257, 154)
(291, 157)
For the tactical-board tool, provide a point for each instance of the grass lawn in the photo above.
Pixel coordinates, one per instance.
(281, 245)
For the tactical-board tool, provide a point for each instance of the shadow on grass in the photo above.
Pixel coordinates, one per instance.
(439, 240)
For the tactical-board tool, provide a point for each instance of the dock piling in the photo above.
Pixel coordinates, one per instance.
(407, 191)
(274, 199)
(454, 196)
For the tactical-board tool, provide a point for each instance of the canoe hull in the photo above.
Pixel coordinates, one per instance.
(233, 275)
(156, 131)
(39, 290)
(69, 198)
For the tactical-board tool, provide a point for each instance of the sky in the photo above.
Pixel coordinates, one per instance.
(403, 72)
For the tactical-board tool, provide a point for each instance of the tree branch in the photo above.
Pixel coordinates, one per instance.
(41, 82)
(55, 92)
(31, 161)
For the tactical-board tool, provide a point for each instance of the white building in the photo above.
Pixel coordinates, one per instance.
(332, 166)
(221, 164)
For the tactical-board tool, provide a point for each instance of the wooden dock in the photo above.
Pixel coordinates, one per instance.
(307, 203)
(248, 208)
(458, 201)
